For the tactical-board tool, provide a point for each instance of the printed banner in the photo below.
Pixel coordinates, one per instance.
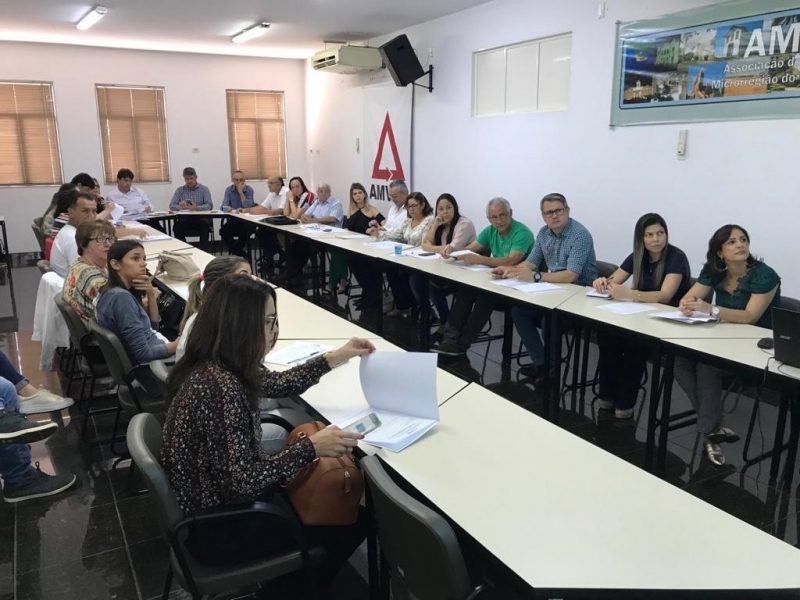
(750, 58)
(387, 138)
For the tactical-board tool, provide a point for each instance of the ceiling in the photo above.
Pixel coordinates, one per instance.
(206, 26)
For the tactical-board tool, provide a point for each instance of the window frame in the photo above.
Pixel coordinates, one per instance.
(55, 125)
(285, 136)
(135, 170)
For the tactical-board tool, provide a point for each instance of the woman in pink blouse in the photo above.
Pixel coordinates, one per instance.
(450, 232)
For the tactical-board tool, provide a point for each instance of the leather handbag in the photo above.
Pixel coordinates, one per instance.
(329, 490)
(177, 266)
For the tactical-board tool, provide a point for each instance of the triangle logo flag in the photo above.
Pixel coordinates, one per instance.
(386, 173)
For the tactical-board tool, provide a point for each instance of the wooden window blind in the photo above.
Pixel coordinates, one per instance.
(257, 133)
(133, 131)
(29, 150)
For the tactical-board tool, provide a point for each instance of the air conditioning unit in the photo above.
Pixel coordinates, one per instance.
(347, 60)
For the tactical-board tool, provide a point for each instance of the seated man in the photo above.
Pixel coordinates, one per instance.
(568, 250)
(192, 196)
(132, 199)
(506, 242)
(236, 232)
(22, 481)
(327, 210)
(80, 207)
(272, 206)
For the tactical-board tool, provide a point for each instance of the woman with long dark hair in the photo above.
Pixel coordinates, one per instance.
(212, 454)
(297, 198)
(745, 289)
(661, 273)
(451, 231)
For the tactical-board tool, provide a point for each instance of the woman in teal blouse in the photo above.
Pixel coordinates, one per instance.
(745, 290)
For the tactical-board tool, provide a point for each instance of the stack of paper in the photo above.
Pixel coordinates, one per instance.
(676, 315)
(297, 354)
(529, 287)
(592, 293)
(406, 405)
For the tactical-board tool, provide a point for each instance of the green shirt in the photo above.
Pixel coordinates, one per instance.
(518, 238)
(761, 279)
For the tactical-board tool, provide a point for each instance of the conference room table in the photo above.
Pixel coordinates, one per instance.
(571, 520)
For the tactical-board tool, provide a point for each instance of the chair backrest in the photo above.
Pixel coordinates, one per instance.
(43, 266)
(117, 359)
(605, 269)
(38, 221)
(789, 303)
(144, 439)
(39, 233)
(422, 550)
(78, 330)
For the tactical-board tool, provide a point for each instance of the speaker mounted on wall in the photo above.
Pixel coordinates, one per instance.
(402, 62)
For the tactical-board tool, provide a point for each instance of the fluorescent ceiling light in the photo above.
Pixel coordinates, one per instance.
(92, 17)
(250, 33)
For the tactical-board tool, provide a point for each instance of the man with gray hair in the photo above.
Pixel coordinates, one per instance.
(398, 193)
(504, 243)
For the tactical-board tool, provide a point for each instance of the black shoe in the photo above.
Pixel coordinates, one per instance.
(536, 373)
(723, 434)
(449, 348)
(16, 429)
(35, 484)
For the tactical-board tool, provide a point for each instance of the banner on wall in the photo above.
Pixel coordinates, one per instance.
(387, 138)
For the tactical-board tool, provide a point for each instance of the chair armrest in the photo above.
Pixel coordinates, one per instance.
(268, 417)
(160, 369)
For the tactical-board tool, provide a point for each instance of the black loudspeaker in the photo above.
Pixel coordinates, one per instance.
(402, 62)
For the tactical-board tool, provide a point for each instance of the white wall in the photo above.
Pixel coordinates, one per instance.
(736, 171)
(196, 109)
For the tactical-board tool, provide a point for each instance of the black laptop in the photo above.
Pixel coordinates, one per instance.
(786, 331)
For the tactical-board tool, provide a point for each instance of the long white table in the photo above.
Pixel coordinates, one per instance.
(564, 514)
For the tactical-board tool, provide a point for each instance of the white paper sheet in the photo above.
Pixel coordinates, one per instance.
(297, 353)
(676, 315)
(135, 225)
(592, 293)
(117, 212)
(316, 228)
(537, 287)
(156, 238)
(626, 308)
(421, 254)
(462, 253)
(351, 236)
(387, 245)
(507, 283)
(476, 267)
(396, 431)
(134, 217)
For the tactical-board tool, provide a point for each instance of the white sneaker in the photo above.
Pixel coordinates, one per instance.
(623, 413)
(43, 401)
(605, 404)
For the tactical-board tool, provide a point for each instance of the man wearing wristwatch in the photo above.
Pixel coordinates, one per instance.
(567, 249)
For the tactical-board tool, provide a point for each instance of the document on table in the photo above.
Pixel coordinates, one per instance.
(529, 287)
(156, 237)
(676, 315)
(406, 406)
(475, 267)
(316, 228)
(458, 253)
(626, 308)
(351, 236)
(135, 225)
(422, 254)
(135, 216)
(387, 245)
(297, 354)
(117, 212)
(593, 293)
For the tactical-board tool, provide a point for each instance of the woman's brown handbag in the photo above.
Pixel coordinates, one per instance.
(328, 491)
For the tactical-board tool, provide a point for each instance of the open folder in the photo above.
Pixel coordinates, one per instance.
(400, 388)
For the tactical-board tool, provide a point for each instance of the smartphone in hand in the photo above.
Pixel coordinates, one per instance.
(366, 425)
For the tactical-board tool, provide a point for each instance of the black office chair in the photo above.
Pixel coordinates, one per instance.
(145, 440)
(422, 551)
(605, 269)
(131, 394)
(36, 226)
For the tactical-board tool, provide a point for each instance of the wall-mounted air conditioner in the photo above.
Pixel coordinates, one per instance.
(347, 60)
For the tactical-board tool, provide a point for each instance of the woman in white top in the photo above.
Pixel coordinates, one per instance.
(216, 269)
(412, 232)
(297, 198)
(450, 232)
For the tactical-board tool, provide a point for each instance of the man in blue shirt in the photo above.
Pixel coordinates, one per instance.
(567, 249)
(192, 196)
(236, 232)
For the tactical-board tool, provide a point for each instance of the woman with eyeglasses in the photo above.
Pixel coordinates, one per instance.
(90, 272)
(745, 290)
(411, 232)
(449, 232)
(211, 453)
(661, 273)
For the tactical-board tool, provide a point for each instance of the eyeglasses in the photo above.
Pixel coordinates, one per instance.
(102, 239)
(409, 205)
(556, 212)
(272, 320)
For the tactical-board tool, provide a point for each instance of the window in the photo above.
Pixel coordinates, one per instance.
(528, 77)
(29, 152)
(257, 133)
(133, 131)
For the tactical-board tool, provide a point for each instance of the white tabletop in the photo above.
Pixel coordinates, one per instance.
(587, 307)
(338, 395)
(301, 320)
(563, 513)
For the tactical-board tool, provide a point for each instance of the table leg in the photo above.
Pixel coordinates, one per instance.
(425, 317)
(314, 275)
(585, 364)
(554, 389)
(780, 430)
(508, 336)
(794, 435)
(653, 412)
(666, 406)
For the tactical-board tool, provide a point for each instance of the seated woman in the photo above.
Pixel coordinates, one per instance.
(745, 291)
(412, 232)
(212, 455)
(297, 198)
(89, 273)
(661, 273)
(359, 214)
(51, 213)
(216, 269)
(128, 307)
(449, 232)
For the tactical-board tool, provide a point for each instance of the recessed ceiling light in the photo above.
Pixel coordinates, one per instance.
(250, 33)
(92, 17)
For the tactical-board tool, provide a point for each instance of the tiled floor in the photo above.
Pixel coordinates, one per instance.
(99, 541)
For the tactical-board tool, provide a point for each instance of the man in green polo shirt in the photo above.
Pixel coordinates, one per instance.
(505, 242)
